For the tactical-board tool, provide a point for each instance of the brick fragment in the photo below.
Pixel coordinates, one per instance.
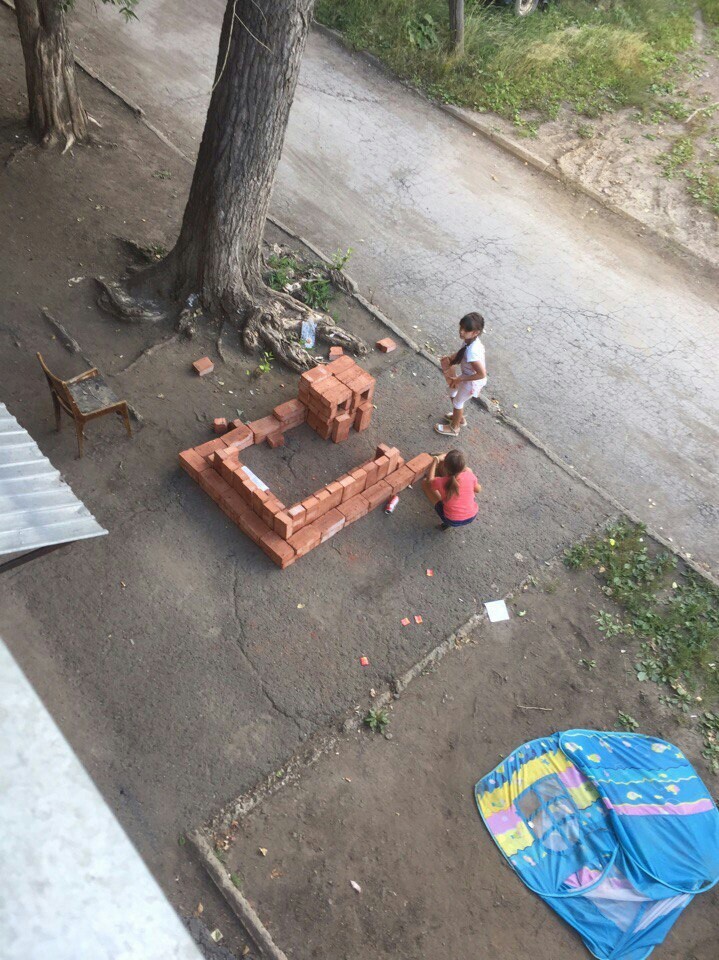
(386, 345)
(275, 440)
(336, 352)
(219, 425)
(354, 508)
(305, 540)
(203, 366)
(278, 550)
(193, 464)
(377, 494)
(419, 465)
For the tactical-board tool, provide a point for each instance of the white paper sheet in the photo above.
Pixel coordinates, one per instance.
(496, 611)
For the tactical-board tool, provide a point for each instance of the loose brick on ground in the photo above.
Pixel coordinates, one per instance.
(203, 366)
(363, 417)
(275, 440)
(219, 425)
(386, 345)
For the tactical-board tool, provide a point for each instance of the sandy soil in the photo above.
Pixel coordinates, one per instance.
(398, 816)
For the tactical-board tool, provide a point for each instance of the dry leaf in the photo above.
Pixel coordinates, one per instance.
(263, 851)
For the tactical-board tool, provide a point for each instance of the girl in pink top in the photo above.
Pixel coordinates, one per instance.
(451, 487)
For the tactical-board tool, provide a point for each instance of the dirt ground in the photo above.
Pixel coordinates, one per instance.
(398, 816)
(619, 157)
(172, 653)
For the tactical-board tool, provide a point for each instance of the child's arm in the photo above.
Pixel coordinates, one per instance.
(434, 496)
(479, 373)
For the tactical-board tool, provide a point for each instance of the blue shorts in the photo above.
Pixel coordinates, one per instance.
(439, 507)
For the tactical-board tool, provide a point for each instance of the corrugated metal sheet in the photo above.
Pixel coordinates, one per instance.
(37, 508)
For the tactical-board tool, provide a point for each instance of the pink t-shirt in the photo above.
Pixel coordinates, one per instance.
(463, 505)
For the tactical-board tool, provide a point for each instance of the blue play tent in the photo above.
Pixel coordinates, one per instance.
(615, 831)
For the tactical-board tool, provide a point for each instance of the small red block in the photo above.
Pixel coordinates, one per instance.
(364, 661)
(335, 352)
(203, 366)
(387, 345)
(405, 621)
(275, 440)
(219, 425)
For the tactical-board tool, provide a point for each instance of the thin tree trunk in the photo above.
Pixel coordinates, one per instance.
(218, 252)
(56, 112)
(456, 25)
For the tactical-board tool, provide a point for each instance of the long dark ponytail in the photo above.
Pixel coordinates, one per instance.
(454, 463)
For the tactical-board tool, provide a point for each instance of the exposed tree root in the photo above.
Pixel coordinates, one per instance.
(127, 306)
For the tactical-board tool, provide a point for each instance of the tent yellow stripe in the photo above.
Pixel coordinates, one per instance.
(515, 840)
(503, 796)
(584, 796)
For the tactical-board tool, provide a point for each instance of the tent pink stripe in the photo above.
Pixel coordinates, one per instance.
(571, 777)
(502, 821)
(660, 809)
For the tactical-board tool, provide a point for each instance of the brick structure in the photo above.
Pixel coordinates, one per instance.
(332, 399)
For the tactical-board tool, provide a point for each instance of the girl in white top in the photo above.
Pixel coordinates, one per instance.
(473, 375)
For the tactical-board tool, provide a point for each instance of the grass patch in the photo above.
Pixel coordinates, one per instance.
(674, 613)
(594, 56)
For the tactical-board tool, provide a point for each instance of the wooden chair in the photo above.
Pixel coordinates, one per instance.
(84, 398)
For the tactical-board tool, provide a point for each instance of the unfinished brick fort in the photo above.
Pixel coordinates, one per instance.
(332, 399)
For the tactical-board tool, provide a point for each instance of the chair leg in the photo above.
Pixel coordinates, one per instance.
(125, 413)
(80, 437)
(58, 413)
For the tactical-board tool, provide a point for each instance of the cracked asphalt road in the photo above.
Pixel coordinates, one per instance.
(607, 345)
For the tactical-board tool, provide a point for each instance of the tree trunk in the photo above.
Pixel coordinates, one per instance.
(456, 25)
(56, 111)
(218, 254)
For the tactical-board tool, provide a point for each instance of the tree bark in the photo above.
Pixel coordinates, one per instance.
(456, 25)
(56, 112)
(218, 254)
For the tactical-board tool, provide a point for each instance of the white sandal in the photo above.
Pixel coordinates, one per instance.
(445, 431)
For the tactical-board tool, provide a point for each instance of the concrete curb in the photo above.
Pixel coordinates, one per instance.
(239, 904)
(477, 124)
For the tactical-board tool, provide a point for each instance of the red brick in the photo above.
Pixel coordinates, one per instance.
(330, 524)
(213, 484)
(360, 475)
(336, 352)
(311, 505)
(298, 516)
(341, 427)
(419, 465)
(203, 366)
(292, 411)
(382, 466)
(219, 425)
(305, 540)
(233, 505)
(335, 490)
(240, 436)
(247, 491)
(240, 481)
(258, 500)
(363, 416)
(392, 453)
(275, 440)
(192, 463)
(386, 345)
(313, 376)
(323, 498)
(340, 365)
(228, 468)
(354, 508)
(271, 508)
(283, 525)
(262, 428)
(348, 484)
(378, 493)
(323, 428)
(205, 449)
(278, 550)
(252, 526)
(400, 479)
(371, 469)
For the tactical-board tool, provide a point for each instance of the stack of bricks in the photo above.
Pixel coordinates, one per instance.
(331, 406)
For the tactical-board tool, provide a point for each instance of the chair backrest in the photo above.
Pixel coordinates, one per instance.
(58, 387)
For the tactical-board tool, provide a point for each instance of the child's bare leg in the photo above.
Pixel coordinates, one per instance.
(457, 418)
